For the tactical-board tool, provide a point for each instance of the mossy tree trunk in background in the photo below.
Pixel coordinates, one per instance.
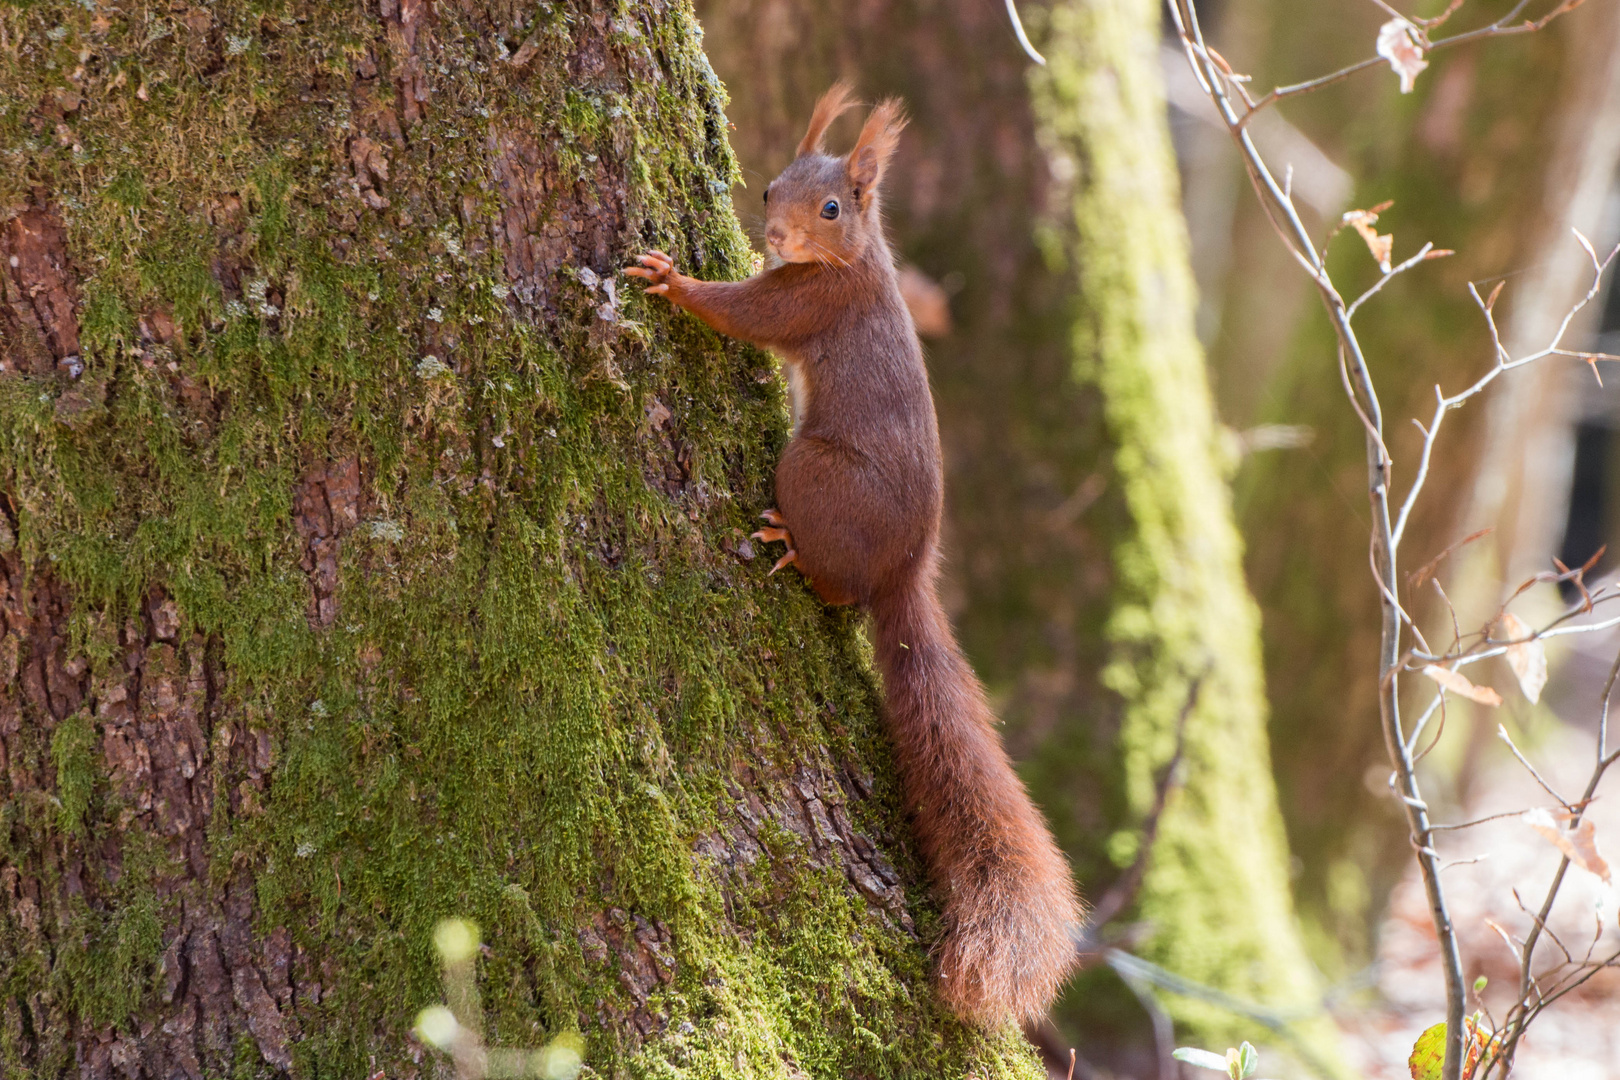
(371, 555)
(1466, 158)
(1093, 559)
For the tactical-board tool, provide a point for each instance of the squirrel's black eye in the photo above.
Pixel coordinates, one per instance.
(829, 209)
(767, 194)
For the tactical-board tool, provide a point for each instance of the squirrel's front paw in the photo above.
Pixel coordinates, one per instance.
(657, 268)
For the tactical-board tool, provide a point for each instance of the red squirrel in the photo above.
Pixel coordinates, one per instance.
(859, 492)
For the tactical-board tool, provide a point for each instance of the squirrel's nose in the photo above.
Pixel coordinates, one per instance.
(775, 235)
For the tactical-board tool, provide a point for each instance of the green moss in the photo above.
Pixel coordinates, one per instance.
(73, 746)
(104, 966)
(1216, 894)
(548, 677)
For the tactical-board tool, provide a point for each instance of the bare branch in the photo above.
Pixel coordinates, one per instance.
(1236, 107)
(1506, 26)
(1023, 38)
(1422, 574)
(1603, 717)
(1424, 254)
(1502, 733)
(1121, 894)
(1478, 821)
(1438, 703)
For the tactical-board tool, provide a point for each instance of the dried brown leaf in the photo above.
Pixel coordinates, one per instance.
(1578, 845)
(1527, 658)
(1490, 301)
(1382, 247)
(1458, 684)
(1401, 44)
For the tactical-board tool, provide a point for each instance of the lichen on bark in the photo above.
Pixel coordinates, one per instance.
(371, 554)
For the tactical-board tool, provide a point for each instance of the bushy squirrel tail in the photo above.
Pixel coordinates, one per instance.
(1009, 900)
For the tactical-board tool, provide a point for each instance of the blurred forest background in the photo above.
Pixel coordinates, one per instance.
(1500, 151)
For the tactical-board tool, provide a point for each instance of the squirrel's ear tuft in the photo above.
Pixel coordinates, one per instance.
(829, 108)
(879, 137)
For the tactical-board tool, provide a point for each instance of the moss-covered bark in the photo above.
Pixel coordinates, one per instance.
(1216, 894)
(371, 555)
(1095, 570)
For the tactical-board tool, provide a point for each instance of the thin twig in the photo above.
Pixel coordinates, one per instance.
(1424, 254)
(1164, 1036)
(1480, 821)
(1603, 718)
(1122, 892)
(1553, 630)
(1502, 733)
(1503, 27)
(1023, 38)
(1132, 968)
(1545, 929)
(1417, 729)
(1504, 363)
(1526, 981)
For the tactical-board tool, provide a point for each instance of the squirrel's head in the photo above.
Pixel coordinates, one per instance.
(824, 208)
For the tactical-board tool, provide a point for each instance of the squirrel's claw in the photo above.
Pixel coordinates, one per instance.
(775, 533)
(773, 516)
(655, 267)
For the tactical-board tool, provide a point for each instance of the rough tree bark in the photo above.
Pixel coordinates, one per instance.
(1094, 564)
(370, 555)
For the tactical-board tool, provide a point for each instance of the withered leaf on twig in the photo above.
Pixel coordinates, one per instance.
(1579, 844)
(1401, 44)
(1458, 684)
(1528, 659)
(1382, 247)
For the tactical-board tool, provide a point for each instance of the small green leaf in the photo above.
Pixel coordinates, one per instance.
(1429, 1054)
(1202, 1059)
(1480, 984)
(1248, 1060)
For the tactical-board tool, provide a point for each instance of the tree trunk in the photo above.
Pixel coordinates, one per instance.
(370, 555)
(1095, 570)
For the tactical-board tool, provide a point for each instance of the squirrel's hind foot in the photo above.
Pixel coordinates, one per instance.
(777, 531)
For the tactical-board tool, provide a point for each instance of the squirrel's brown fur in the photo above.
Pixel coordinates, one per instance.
(859, 492)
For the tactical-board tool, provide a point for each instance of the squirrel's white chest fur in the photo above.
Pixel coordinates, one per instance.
(798, 390)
